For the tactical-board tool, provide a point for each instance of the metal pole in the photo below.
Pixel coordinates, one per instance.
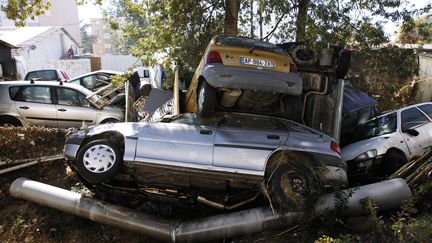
(387, 195)
(338, 110)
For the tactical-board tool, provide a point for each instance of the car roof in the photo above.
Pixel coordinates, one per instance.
(355, 99)
(46, 83)
(400, 109)
(96, 72)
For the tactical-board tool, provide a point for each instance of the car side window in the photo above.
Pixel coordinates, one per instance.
(376, 127)
(36, 94)
(43, 75)
(253, 122)
(192, 119)
(146, 74)
(71, 97)
(412, 118)
(89, 81)
(426, 109)
(101, 81)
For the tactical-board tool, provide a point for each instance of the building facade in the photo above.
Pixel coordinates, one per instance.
(63, 13)
(100, 29)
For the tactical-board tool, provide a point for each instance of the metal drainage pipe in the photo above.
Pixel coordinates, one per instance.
(386, 194)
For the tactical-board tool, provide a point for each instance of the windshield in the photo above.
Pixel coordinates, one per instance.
(249, 43)
(376, 127)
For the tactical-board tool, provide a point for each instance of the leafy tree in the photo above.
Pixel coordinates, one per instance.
(416, 31)
(86, 39)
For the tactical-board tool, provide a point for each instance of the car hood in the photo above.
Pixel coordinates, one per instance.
(130, 129)
(353, 150)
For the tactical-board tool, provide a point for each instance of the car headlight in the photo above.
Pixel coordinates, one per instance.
(366, 155)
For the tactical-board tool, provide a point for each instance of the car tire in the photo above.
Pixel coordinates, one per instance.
(290, 188)
(391, 162)
(9, 122)
(206, 100)
(99, 161)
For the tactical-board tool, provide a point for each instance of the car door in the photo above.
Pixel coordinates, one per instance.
(245, 142)
(34, 104)
(73, 109)
(413, 118)
(186, 140)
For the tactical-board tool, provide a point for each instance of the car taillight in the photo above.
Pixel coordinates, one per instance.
(293, 68)
(335, 147)
(213, 57)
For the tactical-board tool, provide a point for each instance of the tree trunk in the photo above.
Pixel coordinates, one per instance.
(301, 20)
(231, 17)
(252, 30)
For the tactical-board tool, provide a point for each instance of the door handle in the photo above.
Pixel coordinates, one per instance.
(206, 132)
(62, 109)
(273, 137)
(24, 107)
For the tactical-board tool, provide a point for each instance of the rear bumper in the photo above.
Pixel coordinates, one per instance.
(221, 76)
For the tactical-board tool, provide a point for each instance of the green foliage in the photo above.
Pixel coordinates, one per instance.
(416, 31)
(173, 30)
(341, 239)
(406, 228)
(20, 223)
(20, 10)
(395, 66)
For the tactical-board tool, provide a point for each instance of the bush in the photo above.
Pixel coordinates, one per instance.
(18, 143)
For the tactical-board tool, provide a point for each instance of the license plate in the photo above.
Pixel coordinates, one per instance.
(257, 62)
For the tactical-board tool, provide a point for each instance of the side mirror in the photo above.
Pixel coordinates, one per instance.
(410, 131)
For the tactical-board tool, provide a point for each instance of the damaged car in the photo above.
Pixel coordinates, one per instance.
(225, 160)
(382, 145)
(243, 74)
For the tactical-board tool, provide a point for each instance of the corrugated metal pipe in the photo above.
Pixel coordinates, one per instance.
(387, 195)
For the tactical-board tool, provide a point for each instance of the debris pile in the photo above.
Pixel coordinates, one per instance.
(19, 143)
(416, 172)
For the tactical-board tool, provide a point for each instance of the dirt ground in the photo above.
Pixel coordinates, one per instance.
(23, 221)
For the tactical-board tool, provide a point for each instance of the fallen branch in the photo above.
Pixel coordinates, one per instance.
(51, 158)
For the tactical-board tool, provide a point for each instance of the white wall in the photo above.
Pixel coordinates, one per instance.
(47, 48)
(424, 93)
(119, 63)
(73, 67)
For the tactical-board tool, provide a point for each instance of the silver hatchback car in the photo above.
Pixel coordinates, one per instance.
(52, 104)
(226, 158)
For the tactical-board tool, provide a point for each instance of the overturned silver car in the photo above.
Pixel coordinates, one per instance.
(223, 161)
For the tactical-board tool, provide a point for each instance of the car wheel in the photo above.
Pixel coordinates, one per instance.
(99, 161)
(289, 188)
(392, 161)
(206, 100)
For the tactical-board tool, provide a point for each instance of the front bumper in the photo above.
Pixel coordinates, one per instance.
(221, 76)
(72, 145)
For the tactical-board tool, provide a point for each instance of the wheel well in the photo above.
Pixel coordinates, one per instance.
(109, 120)
(294, 157)
(397, 151)
(112, 136)
(10, 119)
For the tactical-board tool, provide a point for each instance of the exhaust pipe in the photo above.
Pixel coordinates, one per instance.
(387, 195)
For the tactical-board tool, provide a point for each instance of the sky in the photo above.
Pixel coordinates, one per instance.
(88, 11)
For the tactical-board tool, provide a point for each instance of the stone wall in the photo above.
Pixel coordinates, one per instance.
(424, 93)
